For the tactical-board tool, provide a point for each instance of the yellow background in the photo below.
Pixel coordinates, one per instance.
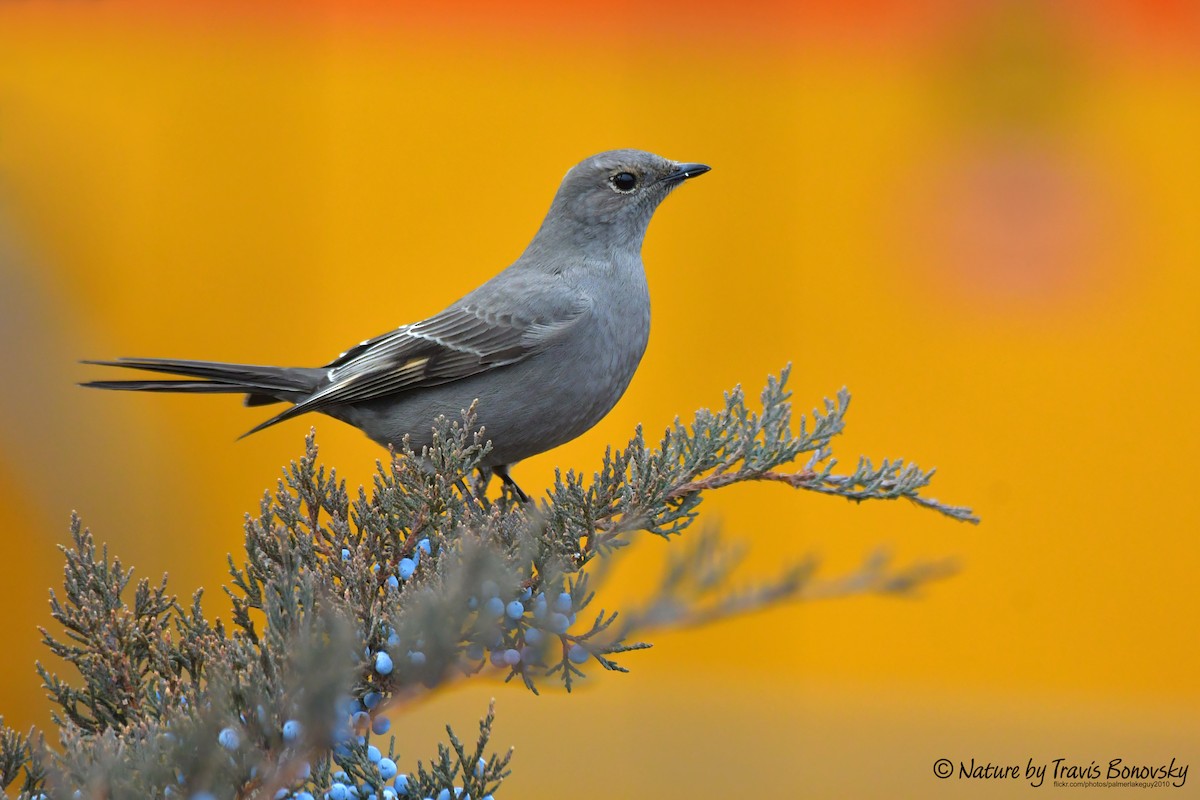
(982, 221)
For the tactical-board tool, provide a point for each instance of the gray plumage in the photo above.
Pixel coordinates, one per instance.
(547, 346)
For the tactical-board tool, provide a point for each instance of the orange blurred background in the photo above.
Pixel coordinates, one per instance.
(980, 217)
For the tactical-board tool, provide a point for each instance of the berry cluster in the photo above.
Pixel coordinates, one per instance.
(514, 633)
(389, 783)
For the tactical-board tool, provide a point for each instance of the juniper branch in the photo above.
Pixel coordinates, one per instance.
(343, 606)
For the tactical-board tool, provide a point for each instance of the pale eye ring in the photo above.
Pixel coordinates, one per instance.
(624, 182)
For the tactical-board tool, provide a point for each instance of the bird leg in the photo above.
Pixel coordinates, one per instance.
(466, 492)
(502, 471)
(483, 477)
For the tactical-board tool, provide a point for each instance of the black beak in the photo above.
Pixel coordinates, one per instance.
(684, 171)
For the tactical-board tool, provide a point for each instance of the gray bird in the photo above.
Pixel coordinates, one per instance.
(547, 347)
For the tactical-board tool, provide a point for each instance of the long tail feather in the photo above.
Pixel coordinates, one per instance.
(260, 384)
(198, 387)
(250, 377)
(286, 414)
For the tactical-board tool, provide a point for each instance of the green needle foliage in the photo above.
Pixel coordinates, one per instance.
(346, 606)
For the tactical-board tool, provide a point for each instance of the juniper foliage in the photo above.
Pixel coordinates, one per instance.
(347, 606)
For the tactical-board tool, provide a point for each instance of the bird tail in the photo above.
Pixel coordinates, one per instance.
(261, 385)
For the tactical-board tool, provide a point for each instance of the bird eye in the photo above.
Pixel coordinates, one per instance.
(623, 181)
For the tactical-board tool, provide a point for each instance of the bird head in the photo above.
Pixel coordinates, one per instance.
(612, 195)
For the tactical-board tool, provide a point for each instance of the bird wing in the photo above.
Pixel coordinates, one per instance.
(461, 341)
